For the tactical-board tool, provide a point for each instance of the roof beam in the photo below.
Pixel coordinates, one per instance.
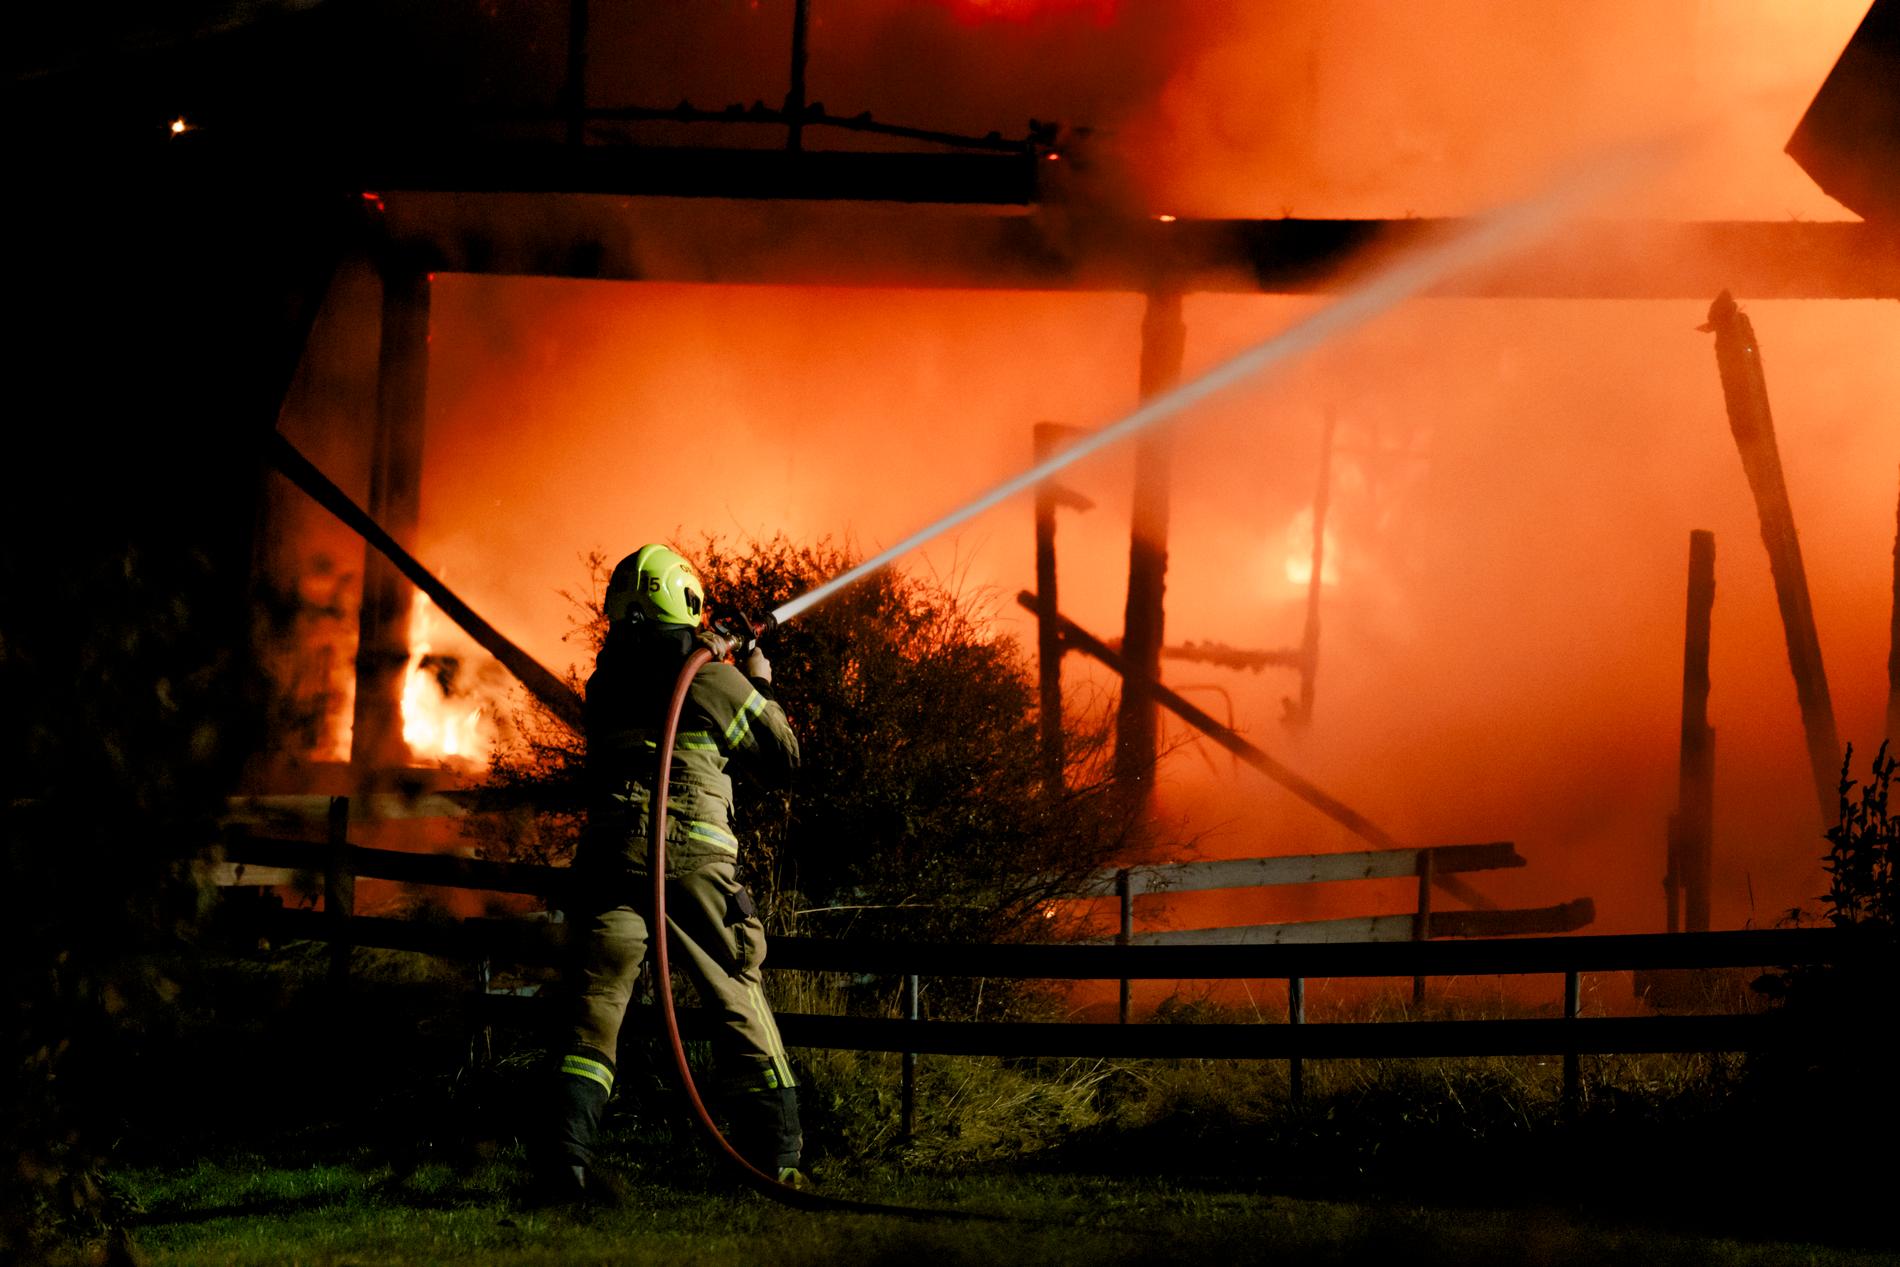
(846, 243)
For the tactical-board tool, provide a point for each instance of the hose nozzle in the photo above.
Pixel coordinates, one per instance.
(742, 633)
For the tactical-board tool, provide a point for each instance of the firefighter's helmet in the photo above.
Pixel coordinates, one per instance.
(655, 583)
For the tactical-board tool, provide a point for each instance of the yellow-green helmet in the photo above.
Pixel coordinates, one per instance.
(655, 583)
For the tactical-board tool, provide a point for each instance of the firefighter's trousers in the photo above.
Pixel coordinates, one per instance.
(719, 943)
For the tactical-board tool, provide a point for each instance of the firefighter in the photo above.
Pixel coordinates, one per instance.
(655, 607)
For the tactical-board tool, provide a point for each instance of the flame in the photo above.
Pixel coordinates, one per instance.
(435, 725)
(1299, 551)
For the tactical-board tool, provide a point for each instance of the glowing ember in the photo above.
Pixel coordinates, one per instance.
(1165, 219)
(179, 125)
(435, 724)
(1299, 552)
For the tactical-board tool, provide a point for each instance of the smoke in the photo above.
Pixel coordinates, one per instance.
(1515, 482)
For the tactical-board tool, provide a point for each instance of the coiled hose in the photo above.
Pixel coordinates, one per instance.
(768, 1185)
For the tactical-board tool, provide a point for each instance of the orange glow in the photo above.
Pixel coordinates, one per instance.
(179, 125)
(1299, 551)
(1512, 487)
(1165, 219)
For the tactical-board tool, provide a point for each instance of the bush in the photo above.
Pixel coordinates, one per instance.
(1836, 1085)
(921, 810)
(1863, 891)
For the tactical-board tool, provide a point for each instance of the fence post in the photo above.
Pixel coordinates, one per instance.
(909, 1110)
(1422, 922)
(339, 888)
(1296, 1015)
(1125, 891)
(1573, 1072)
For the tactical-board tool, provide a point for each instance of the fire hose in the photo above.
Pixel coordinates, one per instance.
(768, 1185)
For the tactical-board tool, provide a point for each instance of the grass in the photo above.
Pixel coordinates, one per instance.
(264, 1132)
(244, 1210)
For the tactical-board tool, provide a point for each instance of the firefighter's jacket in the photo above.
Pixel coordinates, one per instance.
(727, 718)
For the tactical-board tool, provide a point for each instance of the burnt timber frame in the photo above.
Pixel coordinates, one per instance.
(831, 234)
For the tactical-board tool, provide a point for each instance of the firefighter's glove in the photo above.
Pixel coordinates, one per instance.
(757, 667)
(718, 644)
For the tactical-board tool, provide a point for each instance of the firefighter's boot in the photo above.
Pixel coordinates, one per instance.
(765, 1128)
(564, 1166)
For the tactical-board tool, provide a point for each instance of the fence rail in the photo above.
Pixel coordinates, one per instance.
(541, 942)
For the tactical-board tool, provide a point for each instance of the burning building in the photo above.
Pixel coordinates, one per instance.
(525, 268)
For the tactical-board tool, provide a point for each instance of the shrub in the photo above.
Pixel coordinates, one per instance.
(921, 810)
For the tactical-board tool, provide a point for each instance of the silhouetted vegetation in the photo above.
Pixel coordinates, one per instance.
(920, 811)
(128, 710)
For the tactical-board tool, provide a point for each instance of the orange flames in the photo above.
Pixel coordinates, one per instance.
(436, 724)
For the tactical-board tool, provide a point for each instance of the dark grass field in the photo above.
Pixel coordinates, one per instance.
(273, 1121)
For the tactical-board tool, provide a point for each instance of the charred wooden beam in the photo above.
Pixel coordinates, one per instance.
(395, 485)
(1163, 341)
(556, 695)
(1232, 657)
(795, 96)
(1745, 389)
(1049, 437)
(686, 172)
(1690, 829)
(499, 225)
(1073, 635)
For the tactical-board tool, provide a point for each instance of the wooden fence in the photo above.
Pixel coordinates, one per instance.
(255, 860)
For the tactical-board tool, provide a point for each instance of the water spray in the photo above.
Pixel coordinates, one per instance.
(1492, 236)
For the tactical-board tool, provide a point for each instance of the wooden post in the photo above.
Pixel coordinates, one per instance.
(1125, 894)
(910, 1059)
(1422, 921)
(1745, 389)
(1163, 338)
(339, 889)
(1049, 437)
(1296, 1015)
(1573, 1068)
(395, 486)
(1692, 824)
(795, 95)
